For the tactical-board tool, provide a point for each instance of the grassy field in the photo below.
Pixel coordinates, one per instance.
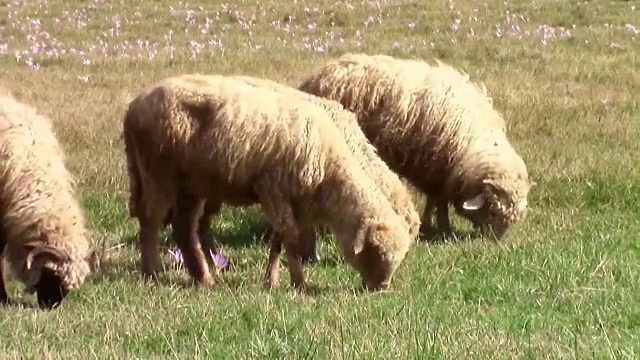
(565, 284)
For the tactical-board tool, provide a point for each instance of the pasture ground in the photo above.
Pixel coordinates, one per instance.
(563, 285)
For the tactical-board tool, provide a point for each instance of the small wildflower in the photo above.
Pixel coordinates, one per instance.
(176, 254)
(219, 260)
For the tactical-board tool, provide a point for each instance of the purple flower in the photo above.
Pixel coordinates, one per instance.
(176, 254)
(219, 260)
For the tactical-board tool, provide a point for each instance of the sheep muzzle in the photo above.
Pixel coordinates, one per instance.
(49, 290)
(375, 286)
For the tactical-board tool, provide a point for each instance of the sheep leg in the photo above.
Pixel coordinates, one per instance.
(188, 210)
(296, 272)
(149, 239)
(442, 212)
(426, 226)
(308, 245)
(207, 241)
(293, 252)
(285, 231)
(268, 230)
(4, 297)
(272, 275)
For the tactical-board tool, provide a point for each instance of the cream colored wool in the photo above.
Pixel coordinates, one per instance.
(437, 129)
(38, 205)
(388, 181)
(230, 142)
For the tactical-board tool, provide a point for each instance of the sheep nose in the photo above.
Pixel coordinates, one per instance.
(50, 291)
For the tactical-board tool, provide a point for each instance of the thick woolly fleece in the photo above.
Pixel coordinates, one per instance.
(42, 222)
(230, 140)
(434, 127)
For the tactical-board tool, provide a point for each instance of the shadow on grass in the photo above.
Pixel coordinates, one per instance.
(114, 269)
(234, 279)
(20, 304)
(457, 236)
(328, 261)
(241, 237)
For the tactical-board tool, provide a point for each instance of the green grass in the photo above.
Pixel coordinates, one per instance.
(562, 285)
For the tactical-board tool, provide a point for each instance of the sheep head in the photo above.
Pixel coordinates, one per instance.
(57, 272)
(494, 209)
(375, 253)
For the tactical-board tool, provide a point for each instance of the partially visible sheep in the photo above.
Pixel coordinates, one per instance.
(195, 137)
(375, 168)
(42, 225)
(437, 129)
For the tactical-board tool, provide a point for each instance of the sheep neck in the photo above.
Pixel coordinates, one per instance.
(346, 200)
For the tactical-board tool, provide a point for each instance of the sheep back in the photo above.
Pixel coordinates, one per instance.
(206, 119)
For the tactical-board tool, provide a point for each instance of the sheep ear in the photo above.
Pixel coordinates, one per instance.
(366, 231)
(38, 249)
(474, 203)
(503, 197)
(359, 239)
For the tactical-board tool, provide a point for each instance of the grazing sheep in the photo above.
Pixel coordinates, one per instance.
(42, 227)
(376, 169)
(437, 129)
(196, 138)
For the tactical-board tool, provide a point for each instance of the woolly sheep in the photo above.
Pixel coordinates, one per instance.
(195, 137)
(437, 129)
(43, 238)
(376, 169)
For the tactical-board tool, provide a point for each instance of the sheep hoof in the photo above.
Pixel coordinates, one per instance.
(205, 280)
(149, 275)
(428, 235)
(376, 287)
(270, 284)
(49, 290)
(310, 259)
(4, 297)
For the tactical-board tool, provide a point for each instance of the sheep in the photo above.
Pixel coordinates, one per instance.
(388, 181)
(197, 138)
(438, 130)
(43, 240)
